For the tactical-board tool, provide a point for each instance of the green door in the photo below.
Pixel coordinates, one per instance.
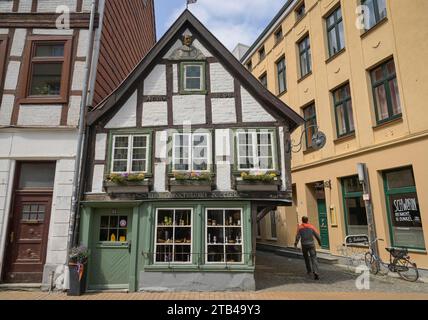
(109, 265)
(323, 221)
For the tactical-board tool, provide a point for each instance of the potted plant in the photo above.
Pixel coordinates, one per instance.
(78, 261)
(258, 181)
(127, 183)
(190, 182)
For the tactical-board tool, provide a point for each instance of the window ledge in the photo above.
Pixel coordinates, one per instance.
(43, 100)
(304, 77)
(282, 93)
(375, 27)
(420, 251)
(272, 239)
(334, 56)
(388, 123)
(345, 138)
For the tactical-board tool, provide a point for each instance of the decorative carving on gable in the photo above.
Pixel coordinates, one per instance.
(187, 51)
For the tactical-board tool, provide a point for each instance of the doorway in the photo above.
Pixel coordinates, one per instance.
(322, 215)
(26, 244)
(109, 265)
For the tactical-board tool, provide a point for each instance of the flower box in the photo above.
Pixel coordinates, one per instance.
(247, 185)
(190, 185)
(128, 187)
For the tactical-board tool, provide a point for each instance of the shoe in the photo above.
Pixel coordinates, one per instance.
(316, 277)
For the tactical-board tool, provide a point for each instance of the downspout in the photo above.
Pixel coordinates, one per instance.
(81, 138)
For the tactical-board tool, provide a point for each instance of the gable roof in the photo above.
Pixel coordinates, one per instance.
(187, 20)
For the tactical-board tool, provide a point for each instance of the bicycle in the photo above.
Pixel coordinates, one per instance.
(399, 262)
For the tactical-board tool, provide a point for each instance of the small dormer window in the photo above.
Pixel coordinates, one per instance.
(193, 77)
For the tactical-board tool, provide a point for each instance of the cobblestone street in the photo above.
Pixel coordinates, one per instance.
(277, 278)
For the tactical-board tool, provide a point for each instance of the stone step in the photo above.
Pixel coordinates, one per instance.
(20, 286)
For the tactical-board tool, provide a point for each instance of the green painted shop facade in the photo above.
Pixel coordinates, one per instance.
(182, 161)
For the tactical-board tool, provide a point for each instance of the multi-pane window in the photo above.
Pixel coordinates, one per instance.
(224, 236)
(193, 77)
(48, 69)
(33, 212)
(255, 150)
(305, 56)
(343, 111)
(385, 92)
(375, 11)
(300, 11)
(281, 74)
(335, 33)
(263, 80)
(191, 152)
(250, 66)
(36, 175)
(262, 53)
(278, 35)
(310, 116)
(404, 212)
(113, 228)
(173, 239)
(355, 210)
(130, 154)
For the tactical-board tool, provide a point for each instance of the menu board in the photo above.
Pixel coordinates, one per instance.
(404, 210)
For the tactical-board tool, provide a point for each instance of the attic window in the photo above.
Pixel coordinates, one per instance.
(192, 77)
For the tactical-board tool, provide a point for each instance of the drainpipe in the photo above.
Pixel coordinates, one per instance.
(81, 138)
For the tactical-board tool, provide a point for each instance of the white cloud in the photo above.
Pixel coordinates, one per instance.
(233, 21)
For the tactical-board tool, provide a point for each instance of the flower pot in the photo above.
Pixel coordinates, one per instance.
(77, 284)
(246, 185)
(190, 186)
(128, 187)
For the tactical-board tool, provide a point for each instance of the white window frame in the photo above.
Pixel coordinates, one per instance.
(255, 145)
(191, 146)
(173, 244)
(130, 149)
(242, 244)
(201, 79)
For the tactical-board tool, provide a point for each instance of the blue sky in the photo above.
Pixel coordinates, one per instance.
(231, 21)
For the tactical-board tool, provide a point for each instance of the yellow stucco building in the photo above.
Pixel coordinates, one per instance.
(357, 70)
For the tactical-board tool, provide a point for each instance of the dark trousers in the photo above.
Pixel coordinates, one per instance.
(311, 261)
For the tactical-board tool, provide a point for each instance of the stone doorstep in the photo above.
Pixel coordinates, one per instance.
(20, 287)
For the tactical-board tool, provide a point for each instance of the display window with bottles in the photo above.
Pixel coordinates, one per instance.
(173, 236)
(224, 242)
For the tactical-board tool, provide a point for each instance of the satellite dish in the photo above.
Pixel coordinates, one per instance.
(319, 140)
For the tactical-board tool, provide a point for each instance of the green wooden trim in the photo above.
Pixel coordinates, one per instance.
(85, 235)
(133, 278)
(346, 195)
(203, 79)
(129, 131)
(339, 103)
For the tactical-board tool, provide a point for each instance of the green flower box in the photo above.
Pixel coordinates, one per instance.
(128, 187)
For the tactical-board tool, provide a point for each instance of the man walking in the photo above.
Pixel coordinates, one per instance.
(306, 234)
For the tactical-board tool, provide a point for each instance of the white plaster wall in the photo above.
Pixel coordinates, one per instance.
(221, 80)
(67, 32)
(204, 50)
(100, 146)
(78, 75)
(39, 115)
(155, 83)
(4, 30)
(161, 153)
(223, 165)
(12, 75)
(18, 42)
(252, 111)
(60, 214)
(126, 117)
(86, 5)
(82, 46)
(189, 108)
(6, 109)
(74, 110)
(155, 114)
(25, 5)
(98, 178)
(38, 144)
(6, 6)
(51, 5)
(223, 110)
(175, 78)
(174, 47)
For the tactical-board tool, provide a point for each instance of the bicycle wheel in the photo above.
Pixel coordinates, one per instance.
(371, 263)
(407, 269)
